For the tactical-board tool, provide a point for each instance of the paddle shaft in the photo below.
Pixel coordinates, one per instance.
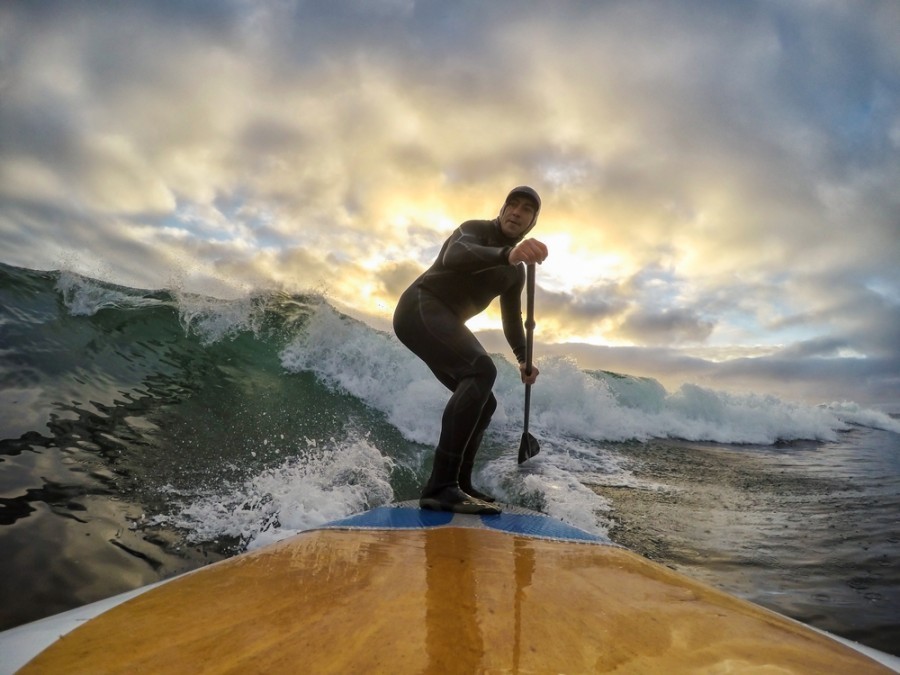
(529, 334)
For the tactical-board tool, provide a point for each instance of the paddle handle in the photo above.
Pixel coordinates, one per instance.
(529, 334)
(529, 317)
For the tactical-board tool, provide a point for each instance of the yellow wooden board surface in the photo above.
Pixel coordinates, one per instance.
(441, 600)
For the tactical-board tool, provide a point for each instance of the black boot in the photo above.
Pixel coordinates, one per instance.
(443, 493)
(454, 500)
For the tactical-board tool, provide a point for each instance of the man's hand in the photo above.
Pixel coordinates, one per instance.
(528, 379)
(528, 251)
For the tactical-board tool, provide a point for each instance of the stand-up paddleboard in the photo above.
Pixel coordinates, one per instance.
(398, 590)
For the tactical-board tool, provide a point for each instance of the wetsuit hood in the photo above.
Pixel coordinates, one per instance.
(529, 193)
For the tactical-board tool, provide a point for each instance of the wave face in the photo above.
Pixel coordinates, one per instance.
(251, 419)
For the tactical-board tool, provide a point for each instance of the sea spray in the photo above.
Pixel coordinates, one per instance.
(853, 413)
(375, 367)
(372, 366)
(86, 297)
(316, 486)
(265, 315)
(558, 482)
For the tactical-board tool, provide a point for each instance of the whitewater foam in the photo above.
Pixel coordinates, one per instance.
(853, 413)
(86, 297)
(373, 366)
(349, 356)
(318, 485)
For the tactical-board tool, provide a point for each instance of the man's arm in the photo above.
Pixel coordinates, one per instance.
(468, 251)
(511, 313)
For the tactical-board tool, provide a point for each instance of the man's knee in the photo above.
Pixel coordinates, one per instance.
(485, 370)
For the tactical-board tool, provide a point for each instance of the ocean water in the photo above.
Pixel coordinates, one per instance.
(146, 433)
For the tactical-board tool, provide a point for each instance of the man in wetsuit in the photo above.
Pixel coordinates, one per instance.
(479, 262)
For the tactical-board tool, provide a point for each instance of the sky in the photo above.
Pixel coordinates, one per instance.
(718, 178)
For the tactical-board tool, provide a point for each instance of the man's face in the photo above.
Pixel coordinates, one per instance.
(518, 214)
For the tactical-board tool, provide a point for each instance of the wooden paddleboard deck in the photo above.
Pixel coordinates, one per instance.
(399, 590)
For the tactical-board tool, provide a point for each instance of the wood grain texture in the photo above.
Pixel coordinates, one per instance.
(441, 600)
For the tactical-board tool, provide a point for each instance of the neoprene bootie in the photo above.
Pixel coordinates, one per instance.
(454, 500)
(443, 493)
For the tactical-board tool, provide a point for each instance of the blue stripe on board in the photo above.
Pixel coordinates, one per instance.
(413, 518)
(390, 517)
(538, 526)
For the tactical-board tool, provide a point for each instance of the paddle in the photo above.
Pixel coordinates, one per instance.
(529, 447)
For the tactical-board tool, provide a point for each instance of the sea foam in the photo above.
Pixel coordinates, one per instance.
(318, 485)
(566, 401)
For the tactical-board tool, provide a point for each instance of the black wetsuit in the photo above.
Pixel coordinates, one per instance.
(471, 270)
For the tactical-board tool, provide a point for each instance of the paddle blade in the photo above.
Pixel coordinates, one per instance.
(528, 448)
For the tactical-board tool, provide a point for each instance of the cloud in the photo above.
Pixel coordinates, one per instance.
(396, 277)
(666, 327)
